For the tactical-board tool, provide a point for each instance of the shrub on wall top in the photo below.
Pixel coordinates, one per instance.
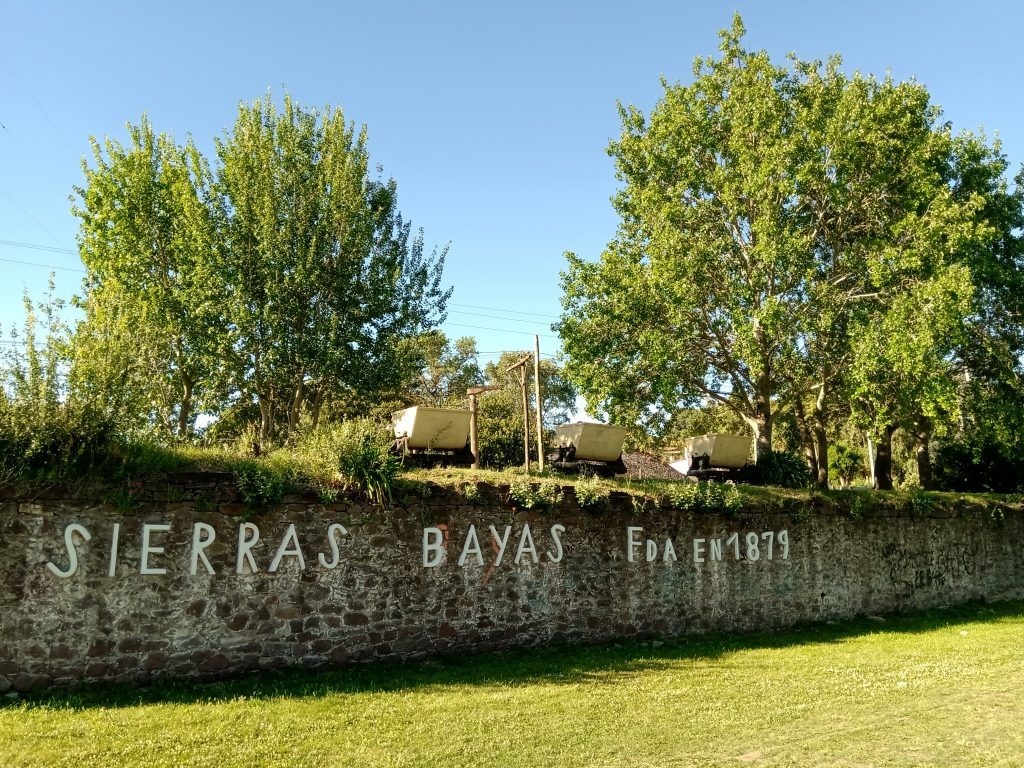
(781, 468)
(353, 454)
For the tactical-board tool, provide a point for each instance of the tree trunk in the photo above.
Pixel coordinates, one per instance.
(821, 438)
(295, 409)
(922, 436)
(316, 404)
(266, 404)
(871, 457)
(185, 407)
(806, 438)
(883, 460)
(762, 435)
(763, 419)
(187, 384)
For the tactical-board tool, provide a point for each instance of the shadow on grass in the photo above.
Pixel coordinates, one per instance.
(557, 665)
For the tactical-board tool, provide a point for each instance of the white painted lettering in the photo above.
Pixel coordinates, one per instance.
(526, 546)
(652, 551)
(669, 556)
(556, 539)
(202, 537)
(248, 535)
(289, 547)
(753, 550)
(783, 538)
(148, 549)
(501, 541)
(69, 544)
(115, 536)
(698, 550)
(433, 547)
(333, 530)
(716, 549)
(734, 542)
(632, 542)
(471, 547)
(769, 537)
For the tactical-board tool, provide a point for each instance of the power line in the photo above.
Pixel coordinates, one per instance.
(51, 249)
(501, 330)
(47, 266)
(493, 317)
(508, 311)
(29, 216)
(38, 103)
(36, 247)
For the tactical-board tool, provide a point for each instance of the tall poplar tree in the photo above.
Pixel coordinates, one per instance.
(151, 295)
(324, 279)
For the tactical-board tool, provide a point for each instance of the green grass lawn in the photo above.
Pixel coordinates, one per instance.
(945, 688)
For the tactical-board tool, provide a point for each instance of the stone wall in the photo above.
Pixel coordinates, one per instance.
(92, 593)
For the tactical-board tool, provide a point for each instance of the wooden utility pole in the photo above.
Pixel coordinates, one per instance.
(474, 443)
(520, 368)
(536, 395)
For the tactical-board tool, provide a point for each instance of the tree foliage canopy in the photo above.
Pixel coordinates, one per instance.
(792, 238)
(280, 281)
(151, 291)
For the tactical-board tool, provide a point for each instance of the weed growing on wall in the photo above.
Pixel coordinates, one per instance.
(858, 506)
(354, 454)
(470, 492)
(534, 495)
(921, 504)
(124, 498)
(591, 494)
(262, 483)
(705, 497)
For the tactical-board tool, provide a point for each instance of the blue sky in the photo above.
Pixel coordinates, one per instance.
(493, 118)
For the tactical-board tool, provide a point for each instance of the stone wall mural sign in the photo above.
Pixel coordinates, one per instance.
(492, 546)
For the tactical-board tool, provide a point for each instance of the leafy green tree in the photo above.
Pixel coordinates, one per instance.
(325, 279)
(769, 217)
(902, 372)
(948, 305)
(151, 300)
(987, 362)
(846, 464)
(682, 305)
(448, 370)
(47, 433)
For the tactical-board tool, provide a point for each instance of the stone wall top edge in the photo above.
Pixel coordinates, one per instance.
(216, 492)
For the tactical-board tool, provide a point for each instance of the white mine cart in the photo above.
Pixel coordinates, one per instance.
(715, 457)
(588, 447)
(432, 436)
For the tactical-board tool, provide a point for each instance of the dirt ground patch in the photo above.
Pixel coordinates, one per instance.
(644, 466)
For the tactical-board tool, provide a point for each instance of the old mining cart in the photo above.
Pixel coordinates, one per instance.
(432, 437)
(715, 457)
(589, 448)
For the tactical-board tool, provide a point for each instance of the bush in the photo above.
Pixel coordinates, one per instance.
(262, 483)
(590, 493)
(350, 454)
(530, 495)
(985, 467)
(781, 468)
(45, 434)
(705, 496)
(53, 442)
(845, 463)
(500, 434)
